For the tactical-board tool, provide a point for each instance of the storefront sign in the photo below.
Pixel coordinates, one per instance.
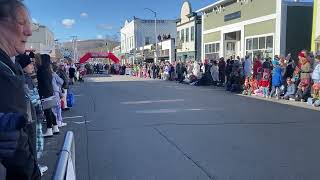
(232, 16)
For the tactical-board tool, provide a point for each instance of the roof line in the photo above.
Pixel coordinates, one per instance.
(210, 6)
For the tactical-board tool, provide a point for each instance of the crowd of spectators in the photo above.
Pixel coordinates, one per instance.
(279, 77)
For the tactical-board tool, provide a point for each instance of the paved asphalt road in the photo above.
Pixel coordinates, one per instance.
(156, 130)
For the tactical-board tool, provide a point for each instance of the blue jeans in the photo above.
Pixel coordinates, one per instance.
(275, 90)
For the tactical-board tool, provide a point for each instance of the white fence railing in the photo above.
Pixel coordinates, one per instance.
(65, 168)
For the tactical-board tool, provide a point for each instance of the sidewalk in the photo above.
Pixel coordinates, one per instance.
(274, 100)
(53, 145)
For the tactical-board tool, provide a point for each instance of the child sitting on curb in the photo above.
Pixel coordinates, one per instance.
(315, 99)
(246, 87)
(303, 92)
(265, 84)
(253, 85)
(291, 90)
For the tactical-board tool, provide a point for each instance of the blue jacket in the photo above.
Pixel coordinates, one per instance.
(291, 89)
(11, 121)
(277, 77)
(10, 125)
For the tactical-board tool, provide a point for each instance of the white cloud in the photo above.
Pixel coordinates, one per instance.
(105, 27)
(99, 36)
(68, 23)
(84, 14)
(34, 20)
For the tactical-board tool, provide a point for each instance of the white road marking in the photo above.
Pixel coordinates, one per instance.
(73, 117)
(159, 111)
(195, 109)
(78, 95)
(152, 101)
(82, 122)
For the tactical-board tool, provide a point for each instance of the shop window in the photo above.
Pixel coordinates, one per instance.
(147, 40)
(262, 42)
(249, 44)
(262, 46)
(178, 35)
(187, 35)
(270, 42)
(255, 43)
(182, 35)
(217, 47)
(192, 33)
(212, 51)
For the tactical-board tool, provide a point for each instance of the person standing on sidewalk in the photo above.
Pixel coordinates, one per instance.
(222, 71)
(35, 129)
(57, 83)
(20, 162)
(44, 76)
(65, 87)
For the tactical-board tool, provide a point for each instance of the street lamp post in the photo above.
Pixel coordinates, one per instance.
(155, 32)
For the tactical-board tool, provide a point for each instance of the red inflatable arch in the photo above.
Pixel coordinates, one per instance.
(89, 55)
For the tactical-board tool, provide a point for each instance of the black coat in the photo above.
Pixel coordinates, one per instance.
(44, 77)
(12, 92)
(63, 75)
(14, 100)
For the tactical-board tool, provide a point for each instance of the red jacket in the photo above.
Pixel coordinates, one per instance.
(264, 83)
(256, 67)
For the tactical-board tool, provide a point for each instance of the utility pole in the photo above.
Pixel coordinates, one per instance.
(75, 48)
(155, 33)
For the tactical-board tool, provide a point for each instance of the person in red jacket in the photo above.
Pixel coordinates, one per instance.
(264, 83)
(257, 67)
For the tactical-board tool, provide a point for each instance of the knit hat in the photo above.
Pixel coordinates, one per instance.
(302, 54)
(31, 54)
(23, 60)
(316, 86)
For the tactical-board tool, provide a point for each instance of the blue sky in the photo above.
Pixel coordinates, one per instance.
(100, 17)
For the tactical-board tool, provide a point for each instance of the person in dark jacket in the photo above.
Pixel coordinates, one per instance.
(15, 30)
(72, 73)
(229, 69)
(44, 76)
(24, 61)
(65, 86)
(34, 128)
(222, 71)
(179, 71)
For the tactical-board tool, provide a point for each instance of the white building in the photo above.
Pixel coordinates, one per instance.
(139, 33)
(188, 34)
(166, 51)
(42, 40)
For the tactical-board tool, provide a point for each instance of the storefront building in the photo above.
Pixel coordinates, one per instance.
(315, 45)
(255, 27)
(166, 52)
(141, 32)
(188, 34)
